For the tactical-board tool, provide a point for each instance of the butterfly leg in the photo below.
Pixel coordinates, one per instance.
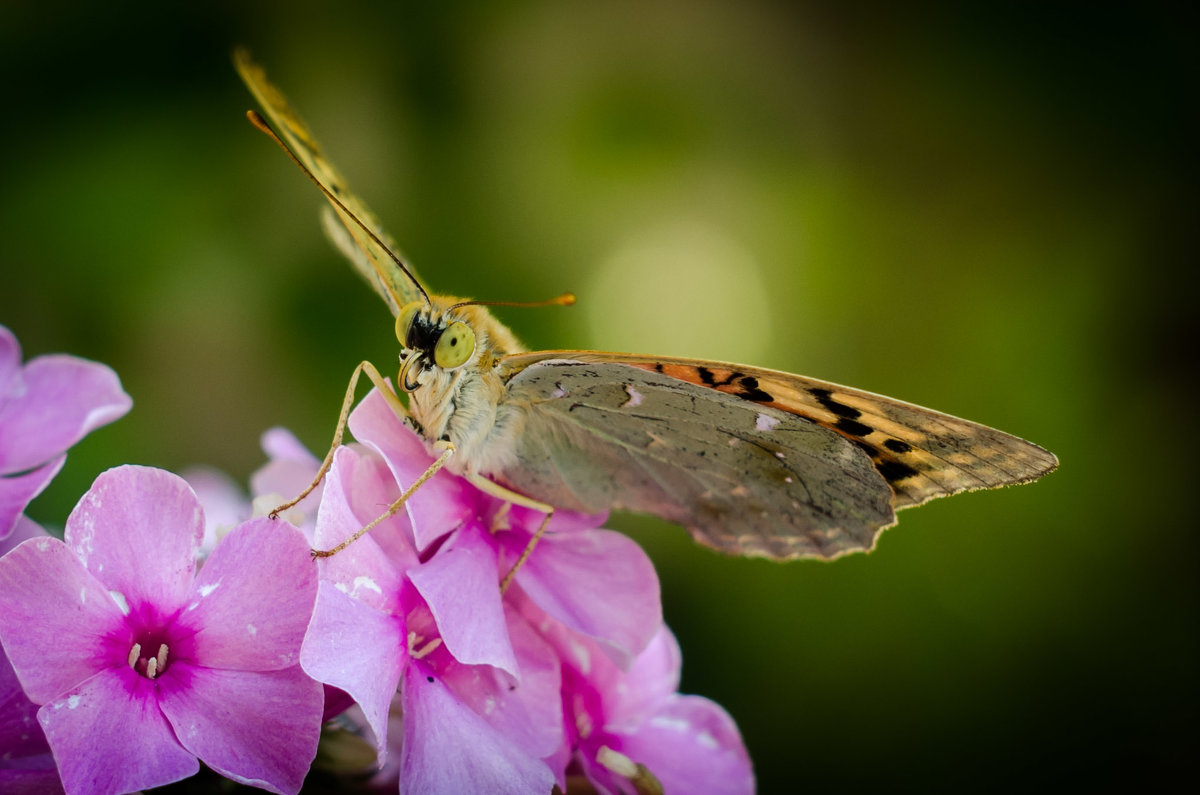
(394, 508)
(514, 498)
(384, 389)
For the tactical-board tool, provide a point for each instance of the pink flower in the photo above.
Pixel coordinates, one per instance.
(435, 631)
(46, 406)
(141, 664)
(621, 724)
(415, 608)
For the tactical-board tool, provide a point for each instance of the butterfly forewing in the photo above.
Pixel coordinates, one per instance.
(743, 478)
(371, 260)
(921, 453)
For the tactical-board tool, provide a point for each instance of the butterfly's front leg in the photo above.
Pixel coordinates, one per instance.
(384, 389)
(447, 450)
(515, 498)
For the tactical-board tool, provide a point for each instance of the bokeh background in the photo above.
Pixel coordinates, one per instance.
(984, 209)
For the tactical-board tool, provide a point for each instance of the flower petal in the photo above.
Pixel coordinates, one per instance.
(529, 711)
(138, 530)
(109, 736)
(651, 679)
(461, 586)
(17, 491)
(289, 471)
(359, 650)
(42, 780)
(444, 501)
(224, 503)
(358, 489)
(10, 360)
(692, 745)
(255, 727)
(20, 734)
(57, 400)
(450, 748)
(58, 623)
(251, 601)
(598, 582)
(24, 530)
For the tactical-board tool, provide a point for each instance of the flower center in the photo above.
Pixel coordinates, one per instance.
(147, 660)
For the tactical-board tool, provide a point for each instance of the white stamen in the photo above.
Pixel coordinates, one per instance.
(162, 657)
(616, 761)
(417, 654)
(134, 653)
(151, 667)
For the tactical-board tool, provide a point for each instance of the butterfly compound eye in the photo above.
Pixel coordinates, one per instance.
(455, 346)
(404, 321)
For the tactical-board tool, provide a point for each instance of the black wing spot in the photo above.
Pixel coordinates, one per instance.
(750, 391)
(897, 446)
(894, 471)
(706, 376)
(866, 448)
(658, 368)
(733, 376)
(853, 427)
(825, 398)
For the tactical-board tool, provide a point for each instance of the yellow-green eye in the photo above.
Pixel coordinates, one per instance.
(404, 320)
(455, 346)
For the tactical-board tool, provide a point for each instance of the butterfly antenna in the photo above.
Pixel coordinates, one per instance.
(566, 299)
(261, 123)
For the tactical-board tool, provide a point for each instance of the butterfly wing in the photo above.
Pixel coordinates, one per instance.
(918, 453)
(743, 478)
(369, 258)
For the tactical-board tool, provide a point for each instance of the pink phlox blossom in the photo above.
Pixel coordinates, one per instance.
(141, 665)
(474, 682)
(616, 720)
(46, 406)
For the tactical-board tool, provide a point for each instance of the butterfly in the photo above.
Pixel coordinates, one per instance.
(751, 461)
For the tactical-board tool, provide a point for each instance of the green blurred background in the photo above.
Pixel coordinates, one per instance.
(985, 210)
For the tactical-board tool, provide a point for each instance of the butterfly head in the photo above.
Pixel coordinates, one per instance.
(444, 337)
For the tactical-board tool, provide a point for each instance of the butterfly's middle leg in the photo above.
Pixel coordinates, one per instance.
(384, 389)
(496, 490)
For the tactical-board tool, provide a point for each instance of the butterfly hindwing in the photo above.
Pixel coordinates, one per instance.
(743, 478)
(922, 454)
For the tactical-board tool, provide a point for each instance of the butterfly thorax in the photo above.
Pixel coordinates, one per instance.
(462, 404)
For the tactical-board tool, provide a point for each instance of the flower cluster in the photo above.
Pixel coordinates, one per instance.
(159, 634)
